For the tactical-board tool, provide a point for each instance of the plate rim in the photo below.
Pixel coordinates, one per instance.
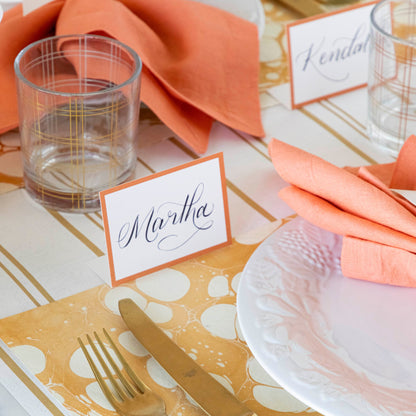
(243, 292)
(252, 335)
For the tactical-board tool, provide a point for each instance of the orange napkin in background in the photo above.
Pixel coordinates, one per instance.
(378, 226)
(200, 63)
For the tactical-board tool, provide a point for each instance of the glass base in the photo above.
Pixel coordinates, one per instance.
(62, 201)
(385, 141)
(60, 179)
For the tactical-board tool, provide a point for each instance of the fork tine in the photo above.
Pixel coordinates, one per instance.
(115, 367)
(108, 394)
(142, 387)
(107, 371)
(118, 394)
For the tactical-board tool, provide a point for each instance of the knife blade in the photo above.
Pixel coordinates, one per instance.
(211, 396)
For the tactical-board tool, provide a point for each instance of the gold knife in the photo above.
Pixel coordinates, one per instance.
(215, 399)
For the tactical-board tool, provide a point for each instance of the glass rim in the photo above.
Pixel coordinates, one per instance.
(377, 27)
(136, 59)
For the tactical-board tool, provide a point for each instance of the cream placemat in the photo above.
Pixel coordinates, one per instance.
(195, 302)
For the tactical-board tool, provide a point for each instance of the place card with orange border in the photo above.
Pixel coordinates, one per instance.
(328, 53)
(165, 218)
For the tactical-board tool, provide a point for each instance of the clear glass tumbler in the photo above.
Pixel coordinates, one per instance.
(79, 102)
(392, 74)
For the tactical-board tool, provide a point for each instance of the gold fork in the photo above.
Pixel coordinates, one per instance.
(130, 398)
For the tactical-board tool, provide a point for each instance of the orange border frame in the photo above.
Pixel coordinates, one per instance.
(310, 19)
(220, 157)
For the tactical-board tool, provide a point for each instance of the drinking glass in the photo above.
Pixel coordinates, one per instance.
(392, 74)
(79, 101)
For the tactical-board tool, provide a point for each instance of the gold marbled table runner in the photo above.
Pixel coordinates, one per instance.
(195, 302)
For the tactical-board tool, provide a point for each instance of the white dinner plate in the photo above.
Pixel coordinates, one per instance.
(342, 346)
(251, 10)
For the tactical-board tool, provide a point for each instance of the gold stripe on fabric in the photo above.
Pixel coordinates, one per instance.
(338, 108)
(289, 218)
(230, 185)
(259, 141)
(21, 287)
(342, 139)
(26, 380)
(250, 202)
(95, 222)
(26, 273)
(344, 119)
(145, 165)
(76, 233)
(185, 149)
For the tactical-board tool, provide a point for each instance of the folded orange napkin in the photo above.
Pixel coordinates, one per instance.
(199, 63)
(378, 226)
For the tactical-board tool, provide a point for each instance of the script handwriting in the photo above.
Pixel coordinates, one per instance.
(170, 225)
(319, 58)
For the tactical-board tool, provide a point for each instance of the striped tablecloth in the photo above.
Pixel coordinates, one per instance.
(48, 258)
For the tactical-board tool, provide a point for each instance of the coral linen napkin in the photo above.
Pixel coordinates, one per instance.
(378, 226)
(199, 63)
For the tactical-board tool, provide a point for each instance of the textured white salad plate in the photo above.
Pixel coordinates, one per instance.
(342, 346)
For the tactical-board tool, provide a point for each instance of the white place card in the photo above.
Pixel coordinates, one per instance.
(165, 218)
(328, 53)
